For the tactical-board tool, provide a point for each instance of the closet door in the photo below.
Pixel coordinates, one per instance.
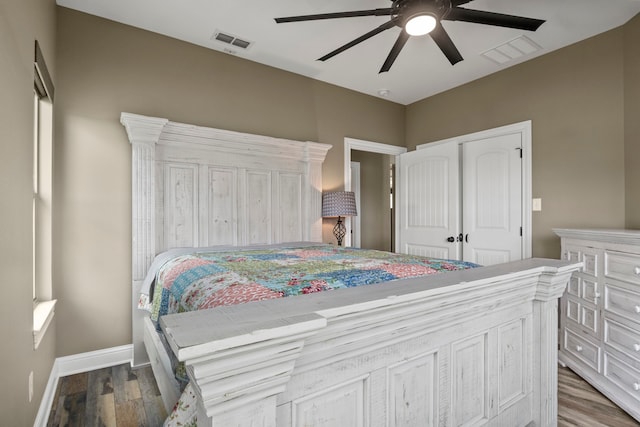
(492, 199)
(463, 200)
(428, 206)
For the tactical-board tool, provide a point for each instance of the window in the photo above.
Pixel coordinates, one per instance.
(43, 302)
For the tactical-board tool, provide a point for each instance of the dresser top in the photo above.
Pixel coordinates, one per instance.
(615, 235)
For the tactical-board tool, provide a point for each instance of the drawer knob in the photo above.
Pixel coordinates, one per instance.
(637, 309)
(637, 271)
(636, 386)
(636, 347)
(578, 348)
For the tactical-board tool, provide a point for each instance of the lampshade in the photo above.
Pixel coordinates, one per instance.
(339, 203)
(420, 24)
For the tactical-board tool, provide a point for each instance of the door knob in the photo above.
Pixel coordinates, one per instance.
(451, 239)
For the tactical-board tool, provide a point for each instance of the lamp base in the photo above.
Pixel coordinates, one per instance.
(339, 231)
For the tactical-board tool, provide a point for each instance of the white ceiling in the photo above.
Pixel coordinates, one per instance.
(421, 70)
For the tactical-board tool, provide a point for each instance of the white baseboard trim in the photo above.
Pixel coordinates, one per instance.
(75, 364)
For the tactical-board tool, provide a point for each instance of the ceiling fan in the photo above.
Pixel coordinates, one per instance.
(420, 17)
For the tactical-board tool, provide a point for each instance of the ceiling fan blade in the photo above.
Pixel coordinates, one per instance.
(381, 28)
(444, 42)
(352, 14)
(395, 51)
(492, 18)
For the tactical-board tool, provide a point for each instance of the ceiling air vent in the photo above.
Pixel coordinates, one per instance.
(232, 40)
(512, 50)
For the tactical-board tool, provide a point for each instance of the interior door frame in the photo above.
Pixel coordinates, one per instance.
(524, 129)
(372, 147)
(355, 187)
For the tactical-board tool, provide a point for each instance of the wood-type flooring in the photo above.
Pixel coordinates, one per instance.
(118, 396)
(121, 397)
(581, 405)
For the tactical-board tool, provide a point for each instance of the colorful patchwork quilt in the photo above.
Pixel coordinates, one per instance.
(203, 280)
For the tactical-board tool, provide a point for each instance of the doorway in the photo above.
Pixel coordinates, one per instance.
(351, 144)
(371, 181)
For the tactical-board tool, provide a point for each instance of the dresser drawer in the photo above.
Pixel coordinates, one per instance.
(622, 266)
(622, 302)
(588, 256)
(572, 310)
(581, 349)
(585, 317)
(590, 291)
(590, 260)
(573, 287)
(622, 338)
(623, 375)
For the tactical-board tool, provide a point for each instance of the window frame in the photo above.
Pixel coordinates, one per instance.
(42, 290)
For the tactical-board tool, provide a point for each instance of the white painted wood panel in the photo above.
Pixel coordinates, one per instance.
(257, 207)
(429, 201)
(340, 406)
(181, 205)
(492, 199)
(427, 251)
(413, 392)
(512, 356)
(469, 381)
(289, 209)
(221, 210)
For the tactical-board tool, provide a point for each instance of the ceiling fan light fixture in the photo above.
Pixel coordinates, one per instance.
(421, 24)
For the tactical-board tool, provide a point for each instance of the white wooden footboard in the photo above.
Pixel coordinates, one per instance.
(478, 348)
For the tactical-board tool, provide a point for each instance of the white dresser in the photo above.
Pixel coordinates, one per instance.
(600, 312)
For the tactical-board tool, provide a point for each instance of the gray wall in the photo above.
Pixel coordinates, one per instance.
(106, 68)
(632, 122)
(21, 22)
(374, 212)
(575, 98)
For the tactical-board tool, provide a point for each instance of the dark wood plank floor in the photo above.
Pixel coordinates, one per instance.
(111, 397)
(121, 397)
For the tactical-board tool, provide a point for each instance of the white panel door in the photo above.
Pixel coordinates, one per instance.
(428, 205)
(464, 198)
(492, 199)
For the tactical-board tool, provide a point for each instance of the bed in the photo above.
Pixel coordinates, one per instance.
(467, 347)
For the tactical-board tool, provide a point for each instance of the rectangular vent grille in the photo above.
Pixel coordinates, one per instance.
(231, 40)
(512, 50)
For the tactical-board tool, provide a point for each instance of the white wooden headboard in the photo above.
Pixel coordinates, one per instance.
(195, 186)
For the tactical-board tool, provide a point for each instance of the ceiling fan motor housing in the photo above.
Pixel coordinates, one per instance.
(404, 10)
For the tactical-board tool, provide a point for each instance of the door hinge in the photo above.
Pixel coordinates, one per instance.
(520, 231)
(520, 150)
